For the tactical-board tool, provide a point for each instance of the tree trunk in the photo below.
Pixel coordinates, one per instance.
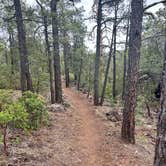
(12, 58)
(89, 77)
(128, 124)
(125, 60)
(97, 58)
(114, 55)
(26, 81)
(57, 73)
(107, 68)
(79, 75)
(52, 90)
(160, 150)
(4, 139)
(66, 59)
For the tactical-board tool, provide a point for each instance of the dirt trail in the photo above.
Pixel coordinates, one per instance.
(90, 137)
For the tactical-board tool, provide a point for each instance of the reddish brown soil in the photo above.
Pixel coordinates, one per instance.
(77, 137)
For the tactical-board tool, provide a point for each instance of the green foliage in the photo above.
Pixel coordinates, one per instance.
(19, 115)
(5, 118)
(6, 96)
(35, 106)
(25, 113)
(14, 115)
(140, 105)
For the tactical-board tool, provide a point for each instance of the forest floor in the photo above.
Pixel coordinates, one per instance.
(79, 136)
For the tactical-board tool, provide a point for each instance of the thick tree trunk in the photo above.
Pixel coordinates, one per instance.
(98, 51)
(125, 60)
(128, 125)
(79, 74)
(160, 150)
(26, 81)
(114, 55)
(52, 90)
(57, 73)
(107, 68)
(66, 59)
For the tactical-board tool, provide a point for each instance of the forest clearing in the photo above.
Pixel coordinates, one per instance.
(82, 83)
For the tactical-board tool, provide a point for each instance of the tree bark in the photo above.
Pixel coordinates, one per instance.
(26, 81)
(89, 76)
(12, 58)
(52, 90)
(128, 124)
(107, 68)
(98, 52)
(160, 149)
(125, 60)
(57, 73)
(79, 74)
(114, 55)
(66, 59)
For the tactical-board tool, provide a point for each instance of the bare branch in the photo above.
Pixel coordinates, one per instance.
(149, 14)
(154, 4)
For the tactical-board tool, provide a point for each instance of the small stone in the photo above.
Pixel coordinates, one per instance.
(113, 116)
(56, 108)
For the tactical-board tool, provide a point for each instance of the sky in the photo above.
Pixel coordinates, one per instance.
(87, 4)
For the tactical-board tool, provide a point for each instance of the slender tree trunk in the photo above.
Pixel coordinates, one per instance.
(79, 75)
(12, 58)
(114, 56)
(52, 90)
(11, 43)
(98, 52)
(58, 84)
(160, 150)
(5, 139)
(125, 61)
(89, 77)
(107, 68)
(26, 81)
(66, 59)
(128, 124)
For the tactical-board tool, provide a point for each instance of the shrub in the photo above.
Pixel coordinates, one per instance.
(35, 107)
(25, 113)
(13, 115)
(6, 96)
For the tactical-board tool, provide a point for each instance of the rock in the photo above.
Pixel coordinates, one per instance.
(56, 108)
(90, 98)
(66, 104)
(84, 91)
(113, 116)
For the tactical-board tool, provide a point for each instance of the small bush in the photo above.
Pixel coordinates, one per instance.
(35, 106)
(25, 113)
(13, 115)
(6, 96)
(19, 115)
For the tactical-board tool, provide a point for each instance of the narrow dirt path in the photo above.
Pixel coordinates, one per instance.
(89, 129)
